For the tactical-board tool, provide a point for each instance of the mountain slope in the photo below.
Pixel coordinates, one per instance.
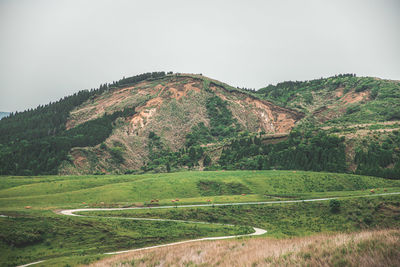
(342, 99)
(363, 110)
(161, 122)
(169, 108)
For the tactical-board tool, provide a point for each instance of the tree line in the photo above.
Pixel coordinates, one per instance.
(301, 151)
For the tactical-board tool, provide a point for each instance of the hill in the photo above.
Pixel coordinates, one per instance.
(339, 100)
(163, 122)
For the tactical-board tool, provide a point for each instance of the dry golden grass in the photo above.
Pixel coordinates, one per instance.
(367, 248)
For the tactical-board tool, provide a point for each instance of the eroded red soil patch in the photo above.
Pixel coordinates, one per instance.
(354, 97)
(271, 118)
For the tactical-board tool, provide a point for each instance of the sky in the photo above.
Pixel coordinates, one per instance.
(50, 48)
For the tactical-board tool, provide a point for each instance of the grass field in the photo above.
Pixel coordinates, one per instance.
(37, 233)
(31, 236)
(190, 187)
(289, 219)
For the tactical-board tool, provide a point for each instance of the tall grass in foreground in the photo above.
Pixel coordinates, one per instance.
(366, 248)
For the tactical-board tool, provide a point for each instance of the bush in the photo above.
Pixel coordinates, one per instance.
(117, 154)
(217, 188)
(351, 110)
(374, 93)
(334, 205)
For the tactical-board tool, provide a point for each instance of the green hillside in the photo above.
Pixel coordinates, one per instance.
(189, 187)
(338, 100)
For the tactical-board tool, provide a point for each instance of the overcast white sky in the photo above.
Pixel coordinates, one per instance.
(49, 49)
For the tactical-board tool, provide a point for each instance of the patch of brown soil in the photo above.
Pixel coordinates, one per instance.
(140, 119)
(354, 97)
(79, 160)
(169, 91)
(182, 91)
(339, 92)
(96, 107)
(155, 111)
(320, 115)
(326, 113)
(270, 117)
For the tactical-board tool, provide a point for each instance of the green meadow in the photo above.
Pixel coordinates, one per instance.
(31, 230)
(289, 219)
(53, 192)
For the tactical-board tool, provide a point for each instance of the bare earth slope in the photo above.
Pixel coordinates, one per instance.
(169, 107)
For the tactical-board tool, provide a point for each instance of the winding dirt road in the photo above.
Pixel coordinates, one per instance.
(257, 231)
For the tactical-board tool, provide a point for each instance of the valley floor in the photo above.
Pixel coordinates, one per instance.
(306, 226)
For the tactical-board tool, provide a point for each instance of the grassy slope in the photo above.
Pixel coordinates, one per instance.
(31, 236)
(289, 220)
(285, 220)
(38, 233)
(365, 248)
(71, 191)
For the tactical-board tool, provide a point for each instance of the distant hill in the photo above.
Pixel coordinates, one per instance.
(163, 122)
(4, 114)
(342, 99)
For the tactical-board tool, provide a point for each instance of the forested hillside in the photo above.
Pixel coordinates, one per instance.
(157, 122)
(36, 141)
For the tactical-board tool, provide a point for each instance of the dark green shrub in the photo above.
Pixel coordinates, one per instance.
(206, 161)
(353, 109)
(217, 188)
(117, 154)
(334, 205)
